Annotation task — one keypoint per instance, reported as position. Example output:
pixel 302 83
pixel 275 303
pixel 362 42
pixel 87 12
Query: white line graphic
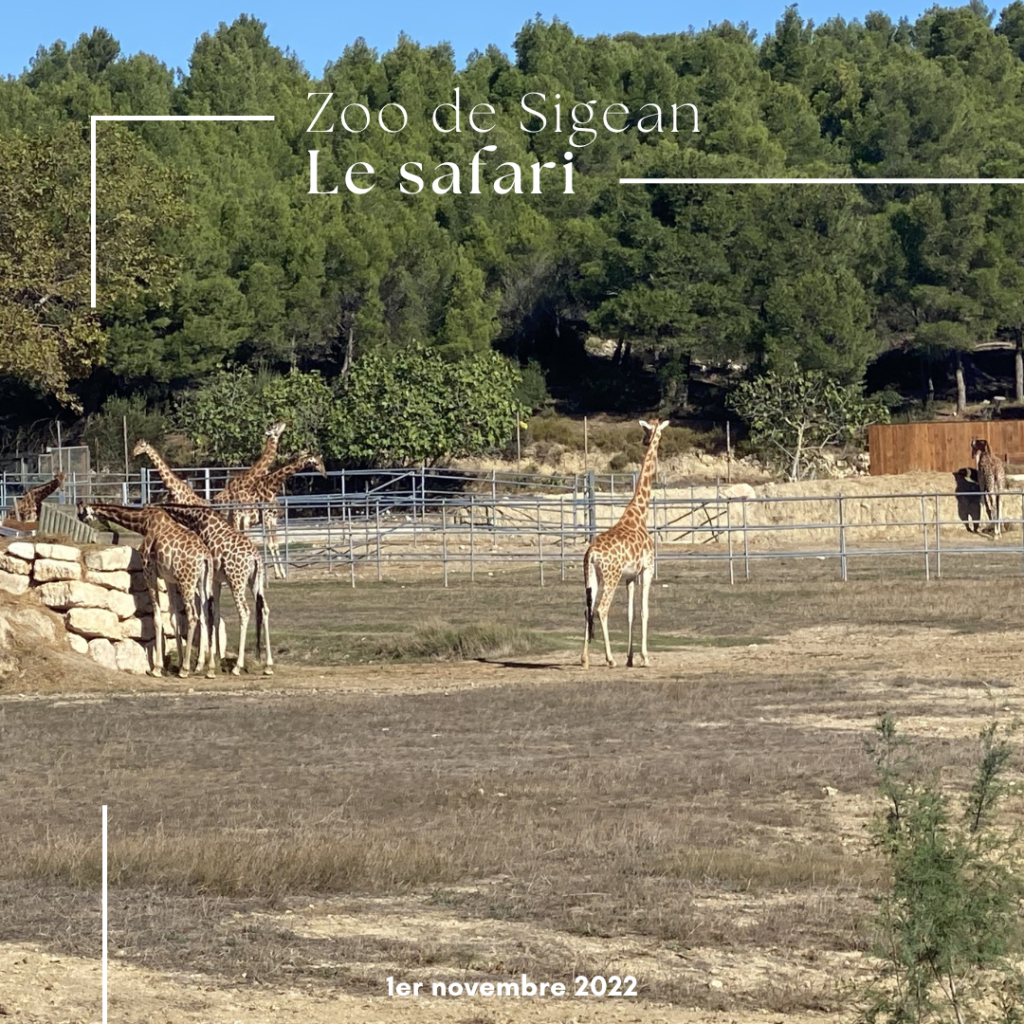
pixel 104 855
pixel 821 181
pixel 141 117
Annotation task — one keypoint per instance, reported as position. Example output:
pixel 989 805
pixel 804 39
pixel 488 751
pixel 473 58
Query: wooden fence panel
pixel 938 447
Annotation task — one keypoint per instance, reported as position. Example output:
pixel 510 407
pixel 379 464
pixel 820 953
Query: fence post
pixel 746 548
pixel 938 541
pixel 561 536
pixel 472 518
pixel 540 545
pixel 376 504
pixel 591 505
pixel 842 542
pixel 654 516
pixel 924 534
pixel 347 514
pixel 728 533
pixel 444 541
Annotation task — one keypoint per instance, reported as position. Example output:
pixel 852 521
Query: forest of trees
pixel 213 254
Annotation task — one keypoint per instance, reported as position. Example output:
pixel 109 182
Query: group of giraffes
pixel 195 546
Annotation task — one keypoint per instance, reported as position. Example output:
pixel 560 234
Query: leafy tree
pixel 52 335
pixel 227 415
pixel 409 406
pixel 794 417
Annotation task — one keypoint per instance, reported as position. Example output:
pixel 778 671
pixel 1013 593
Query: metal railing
pixel 372 521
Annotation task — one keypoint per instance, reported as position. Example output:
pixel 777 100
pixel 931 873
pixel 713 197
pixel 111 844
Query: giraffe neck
pixel 642 495
pixel 276 480
pixel 45 490
pixel 178 488
pixel 138 519
pixel 267 456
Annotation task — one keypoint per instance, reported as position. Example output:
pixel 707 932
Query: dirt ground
pixel 967 682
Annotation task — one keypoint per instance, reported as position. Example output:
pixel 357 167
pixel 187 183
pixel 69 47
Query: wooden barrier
pixel 939 447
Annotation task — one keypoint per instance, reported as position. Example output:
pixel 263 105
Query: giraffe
pixel 624 551
pixel 27 508
pixel 269 511
pixel 175 554
pixel 179 491
pixel 238 487
pixel 237 562
pixel 991 479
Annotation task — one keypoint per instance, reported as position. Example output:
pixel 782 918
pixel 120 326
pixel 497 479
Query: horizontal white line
pixel 182 117
pixel 821 181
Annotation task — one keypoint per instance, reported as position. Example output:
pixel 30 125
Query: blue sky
pixel 318 33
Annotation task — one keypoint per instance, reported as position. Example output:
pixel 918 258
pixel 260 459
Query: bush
pixel 950 926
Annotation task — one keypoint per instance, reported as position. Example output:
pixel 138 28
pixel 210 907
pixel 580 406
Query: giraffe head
pixel 275 430
pixel 652 430
pixel 86 513
pixel 142 447
pixel 979 447
pixel 313 461
pixel 60 477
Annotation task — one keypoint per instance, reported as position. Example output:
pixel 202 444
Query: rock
pixel 116 579
pixel 59 552
pixel 93 622
pixel 47 569
pixel 31 625
pixel 121 556
pixel 716 983
pixel 22 549
pixel 742 491
pixel 15 565
pixel 138 628
pixel 102 652
pixel 124 606
pixel 73 594
pixel 131 657
pixel 78 643
pixel 13 583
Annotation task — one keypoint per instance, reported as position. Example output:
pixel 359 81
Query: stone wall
pixel 100 592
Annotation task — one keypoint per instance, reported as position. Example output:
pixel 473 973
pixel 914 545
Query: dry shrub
pixel 441 641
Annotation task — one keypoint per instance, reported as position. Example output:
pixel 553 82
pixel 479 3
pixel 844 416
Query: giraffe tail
pixel 590 581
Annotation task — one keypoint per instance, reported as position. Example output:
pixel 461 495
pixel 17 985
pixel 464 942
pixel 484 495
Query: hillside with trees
pixel 214 256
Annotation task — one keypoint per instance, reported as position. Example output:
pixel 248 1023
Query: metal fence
pixel 368 524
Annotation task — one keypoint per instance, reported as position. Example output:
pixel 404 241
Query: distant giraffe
pixel 991 480
pixel 238 562
pixel 238 488
pixel 625 551
pixel 28 507
pixel 175 554
pixel 268 511
pixel 179 491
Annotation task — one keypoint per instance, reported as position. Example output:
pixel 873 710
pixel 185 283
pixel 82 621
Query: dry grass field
pixel 431 789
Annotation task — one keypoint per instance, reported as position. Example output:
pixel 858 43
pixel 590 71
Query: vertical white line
pixel 92 240
pixel 104 914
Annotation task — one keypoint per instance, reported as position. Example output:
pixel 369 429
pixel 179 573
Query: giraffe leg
pixel 996 504
pixel 243 627
pixel 630 594
pixel 213 625
pixel 150 573
pixel 645 603
pixel 263 630
pixel 610 583
pixel 591 581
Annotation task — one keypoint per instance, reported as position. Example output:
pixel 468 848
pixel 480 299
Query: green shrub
pixel 950 931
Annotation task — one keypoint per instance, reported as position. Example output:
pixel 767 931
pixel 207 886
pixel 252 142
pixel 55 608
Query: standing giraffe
pixel 180 492
pixel 237 562
pixel 238 488
pixel 28 507
pixel 991 480
pixel 265 492
pixel 175 554
pixel 624 551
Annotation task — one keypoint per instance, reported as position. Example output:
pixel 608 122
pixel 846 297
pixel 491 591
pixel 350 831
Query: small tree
pixel 793 417
pixel 950 926
pixel 400 408
pixel 227 415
